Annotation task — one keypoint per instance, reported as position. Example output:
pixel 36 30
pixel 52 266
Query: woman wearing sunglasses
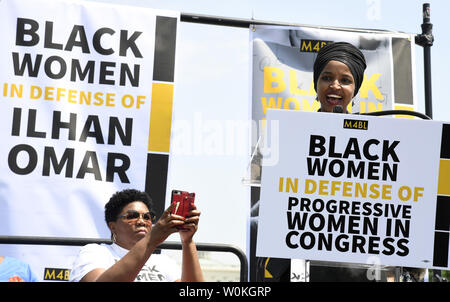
pixel 135 237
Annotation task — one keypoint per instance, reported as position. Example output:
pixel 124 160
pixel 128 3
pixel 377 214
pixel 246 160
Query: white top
pixel 158 268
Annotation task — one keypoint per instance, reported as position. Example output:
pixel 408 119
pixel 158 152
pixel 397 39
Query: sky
pixel 401 15
pixel 213 85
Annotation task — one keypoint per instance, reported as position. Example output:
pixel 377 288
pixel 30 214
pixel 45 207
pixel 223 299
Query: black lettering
pixel 32 159
pixel 367 209
pixel 406 212
pixel 303 240
pixel 21 32
pixel 331 152
pixel 17 116
pixel 125 73
pixel 296 221
pixel 116 127
pixel 388 150
pixel 355 171
pixel 48 43
pixel 130 42
pixel 325 241
pixel 316 142
pixel 89 157
pixel 318 205
pixel 289 241
pixel 339 164
pixel 98 45
pixel 358 242
pixel 344 206
pixel 88 71
pixel 58 125
pixel 372 171
pixel 319 166
pixel 305 204
pixel 389 248
pixel 48 67
pixel 366 148
pixel 378 209
pixel 392 172
pixel 292 202
pixel 31 129
pixel 401 228
pixel 353 224
pixel 319 218
pixel 404 250
pixel 50 159
pixel 374 243
pixel 336 225
pixel 27 63
pixel 370 225
pixel 92 120
pixel 352 149
pixel 120 170
pixel 342 244
pixel 104 72
pixel 77 30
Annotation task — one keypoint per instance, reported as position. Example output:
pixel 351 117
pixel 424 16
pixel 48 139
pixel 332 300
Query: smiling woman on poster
pixel 338 75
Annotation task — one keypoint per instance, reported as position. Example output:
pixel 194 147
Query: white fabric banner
pixel 76 96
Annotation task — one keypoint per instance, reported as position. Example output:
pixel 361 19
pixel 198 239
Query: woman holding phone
pixel 136 235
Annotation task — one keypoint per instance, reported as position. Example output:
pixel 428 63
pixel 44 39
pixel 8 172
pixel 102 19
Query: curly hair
pixel 120 199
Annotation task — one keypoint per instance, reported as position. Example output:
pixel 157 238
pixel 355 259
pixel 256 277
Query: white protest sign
pixel 348 188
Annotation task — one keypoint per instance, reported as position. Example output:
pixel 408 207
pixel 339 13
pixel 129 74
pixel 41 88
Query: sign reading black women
pixel 86 104
pixel 348 188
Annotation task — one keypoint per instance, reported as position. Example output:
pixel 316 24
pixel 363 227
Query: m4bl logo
pixel 56 274
pixel 356 124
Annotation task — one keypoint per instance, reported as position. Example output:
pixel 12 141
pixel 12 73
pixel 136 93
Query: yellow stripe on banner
pixel 444 177
pixel 403 107
pixel 160 117
pixel 267 274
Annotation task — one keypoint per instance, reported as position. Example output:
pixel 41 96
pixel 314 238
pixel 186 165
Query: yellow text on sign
pixel 275 82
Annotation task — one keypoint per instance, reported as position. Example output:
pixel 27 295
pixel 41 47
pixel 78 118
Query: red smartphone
pixel 183 202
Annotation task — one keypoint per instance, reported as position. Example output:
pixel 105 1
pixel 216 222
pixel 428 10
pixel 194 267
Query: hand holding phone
pixel 182 202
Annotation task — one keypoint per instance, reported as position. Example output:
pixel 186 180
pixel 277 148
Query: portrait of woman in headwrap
pixel 338 75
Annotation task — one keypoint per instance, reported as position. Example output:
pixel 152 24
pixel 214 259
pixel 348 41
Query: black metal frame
pixel 67 241
pixel 426 40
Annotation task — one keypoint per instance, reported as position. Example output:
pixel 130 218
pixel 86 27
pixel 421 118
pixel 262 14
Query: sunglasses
pixel 135 215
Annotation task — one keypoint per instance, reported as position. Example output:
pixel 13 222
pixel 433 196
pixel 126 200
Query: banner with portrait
pixel 282 59
pixel 282 72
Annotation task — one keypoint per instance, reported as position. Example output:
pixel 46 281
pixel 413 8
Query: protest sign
pixel 347 188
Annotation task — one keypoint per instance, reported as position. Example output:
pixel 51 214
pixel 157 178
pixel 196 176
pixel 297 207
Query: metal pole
pixel 426 40
pixel 246 23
